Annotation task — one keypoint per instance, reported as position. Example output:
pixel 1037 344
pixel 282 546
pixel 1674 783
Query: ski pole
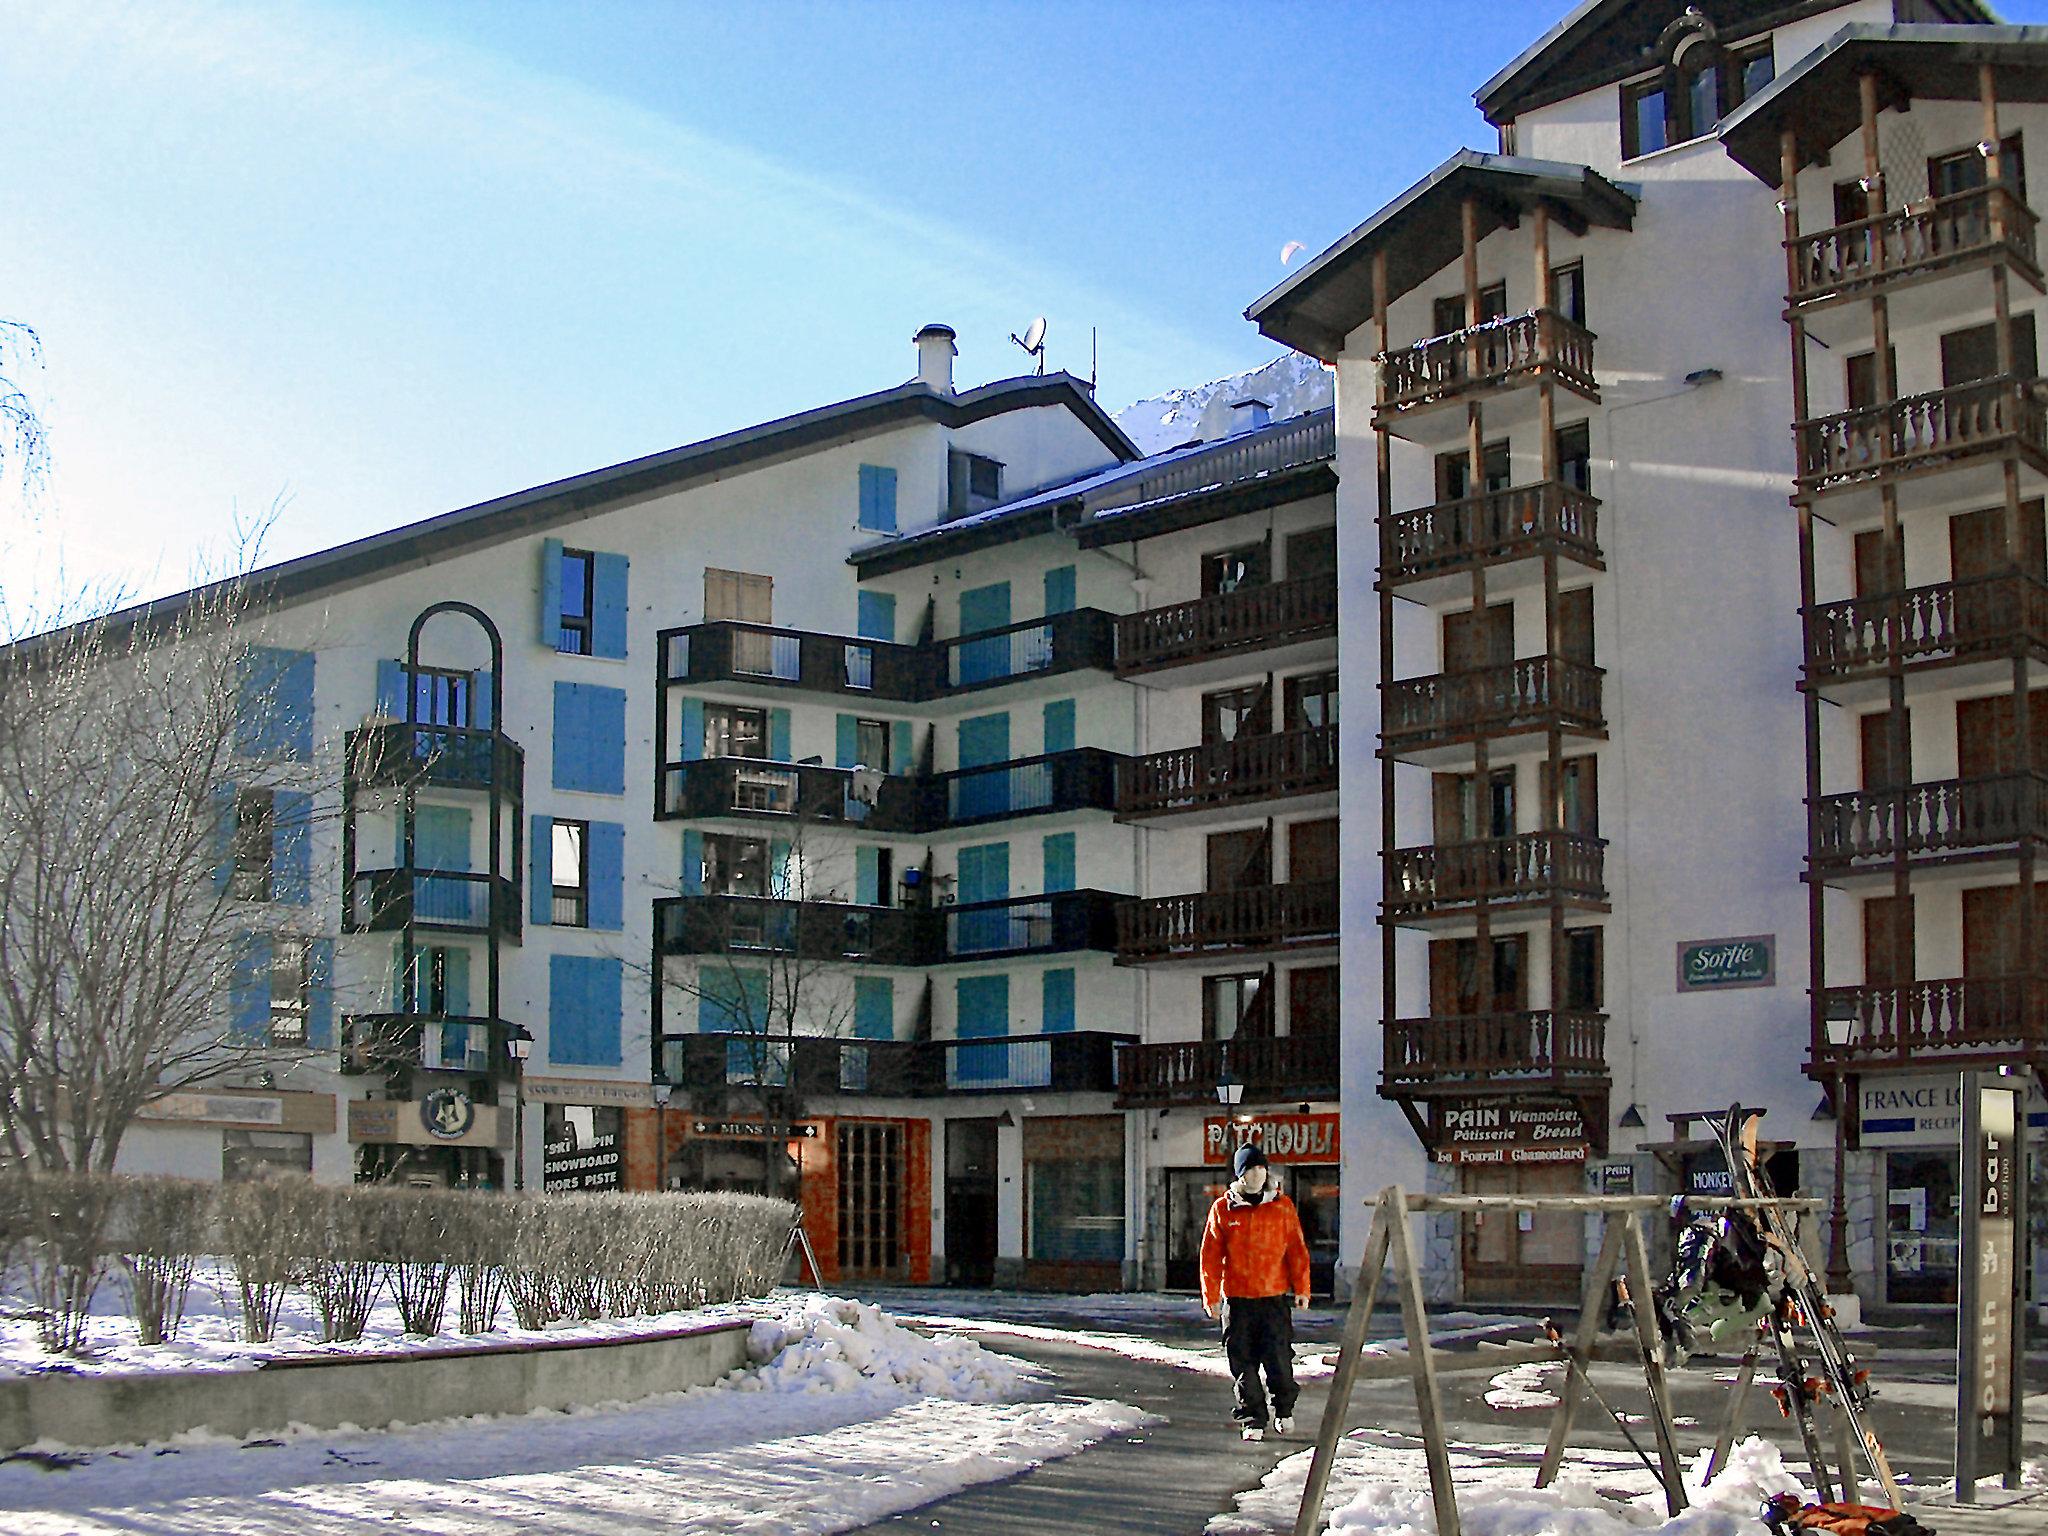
pixel 1572 1367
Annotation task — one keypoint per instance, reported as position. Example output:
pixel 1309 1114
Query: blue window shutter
pixel 584 1010
pixel 849 743
pixel 982 1005
pixel 590 738
pixel 878 498
pixel 222 806
pixel 984 740
pixel 691 747
pixel 440 838
pixel 867 876
pixel 874 1008
pixel 985 608
pixel 249 989
pixel 540 890
pixel 551 593
pixel 274 703
pixel 778 736
pixel 1059 726
pixel 391 688
pixel 900 740
pixel 693 862
pixel 291 847
pixel 1057 996
pixel 480 702
pixel 320 994
pixel 401 996
pixel 877 616
pixel 566 1010
pixel 607 875
pixel 1059 861
pixel 984 872
pixel 1059 589
pixel 455 980
pixel 731 999
pixel 608 623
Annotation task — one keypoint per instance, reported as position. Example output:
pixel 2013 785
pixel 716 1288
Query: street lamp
pixel 1229 1086
pixel 518 1045
pixel 1838 1027
pixel 663 1091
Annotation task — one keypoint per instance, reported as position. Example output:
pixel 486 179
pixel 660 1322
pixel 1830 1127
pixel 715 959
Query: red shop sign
pixel 1285 1138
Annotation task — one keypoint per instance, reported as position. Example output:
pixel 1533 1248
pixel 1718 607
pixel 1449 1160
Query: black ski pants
pixel 1258 1333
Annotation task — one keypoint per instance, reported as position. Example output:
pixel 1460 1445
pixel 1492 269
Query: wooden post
pixel 1422 1364
pixel 1641 1283
pixel 1388 1213
pixel 1731 1425
pixel 1592 1305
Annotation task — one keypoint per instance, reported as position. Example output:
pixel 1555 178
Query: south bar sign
pixel 1990 1323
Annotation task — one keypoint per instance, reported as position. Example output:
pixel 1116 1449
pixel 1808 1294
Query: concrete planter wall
pixel 372 1391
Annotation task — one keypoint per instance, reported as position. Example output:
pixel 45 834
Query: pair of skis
pixel 1801 1302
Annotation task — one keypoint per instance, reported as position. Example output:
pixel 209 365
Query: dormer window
pixel 1701 83
pixel 975 483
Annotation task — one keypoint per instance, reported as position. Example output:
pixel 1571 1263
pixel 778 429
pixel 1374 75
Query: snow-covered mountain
pixel 1295 384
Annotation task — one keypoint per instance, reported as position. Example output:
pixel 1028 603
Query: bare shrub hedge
pixel 555 1256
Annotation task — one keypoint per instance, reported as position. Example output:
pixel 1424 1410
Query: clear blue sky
pixel 387 259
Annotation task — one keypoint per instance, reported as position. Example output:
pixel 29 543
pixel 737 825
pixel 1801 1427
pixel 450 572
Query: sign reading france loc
pixel 1719 964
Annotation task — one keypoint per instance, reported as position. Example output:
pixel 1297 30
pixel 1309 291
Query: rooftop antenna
pixel 1033 341
pixel 1091 357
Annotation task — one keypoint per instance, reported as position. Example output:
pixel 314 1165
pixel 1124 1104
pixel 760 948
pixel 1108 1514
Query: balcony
pixel 1446 883
pixel 435 756
pixel 1058 923
pixel 716 787
pixel 1950 623
pixel 759 657
pixel 1226 776
pixel 1508 1052
pixel 1426 719
pixel 1453 538
pixel 1280 614
pixel 378 1042
pixel 1940 822
pixel 1935 1025
pixel 1925 240
pixel 1922 434
pixel 1483 360
pixel 381 900
pixel 1274 1070
pixel 1250 920
pixel 827 1067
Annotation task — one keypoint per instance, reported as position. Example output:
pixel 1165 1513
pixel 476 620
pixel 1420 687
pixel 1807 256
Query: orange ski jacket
pixel 1253 1250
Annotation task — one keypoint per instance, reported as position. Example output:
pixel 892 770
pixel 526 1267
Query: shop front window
pixel 1077 1210
pixel 1922 1240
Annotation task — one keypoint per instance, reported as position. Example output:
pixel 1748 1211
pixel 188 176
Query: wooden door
pixel 1888 943
pixel 1505 1260
pixel 1312 850
pixel 1575 625
pixel 1237 860
pixel 1971 353
pixel 1312 552
pixel 1880 769
pixel 1873 566
pixel 1986 740
pixel 1581 779
pixel 1312 1001
pixel 1235 712
pixel 1478 638
pixel 739 597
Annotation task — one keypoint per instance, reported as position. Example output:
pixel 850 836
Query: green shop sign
pixel 1710 964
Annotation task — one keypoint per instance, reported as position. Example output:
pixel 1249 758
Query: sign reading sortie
pixel 1284 1138
pixel 1717 964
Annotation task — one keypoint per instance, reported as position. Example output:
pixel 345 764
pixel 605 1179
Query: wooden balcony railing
pixel 1272 1069
pixel 1441 879
pixel 1484 530
pixel 1918 240
pixel 1458 1052
pixel 1934 1023
pixel 1921 432
pixel 1213 922
pixel 380 900
pixel 1485 357
pixel 1523 695
pixel 1944 817
pixel 375 1042
pixel 1240 772
pixel 817 1067
pixel 1251 618
pixel 1946 621
pixel 439 756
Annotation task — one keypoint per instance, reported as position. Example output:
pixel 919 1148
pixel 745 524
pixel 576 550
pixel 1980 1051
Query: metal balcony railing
pixel 380 900
pixel 439 756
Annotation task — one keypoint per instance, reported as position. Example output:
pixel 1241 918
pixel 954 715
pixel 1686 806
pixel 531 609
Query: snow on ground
pixel 1380 1487
pixel 846 1418
pixel 1525 1386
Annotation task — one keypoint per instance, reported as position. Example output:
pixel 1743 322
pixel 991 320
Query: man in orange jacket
pixel 1255 1266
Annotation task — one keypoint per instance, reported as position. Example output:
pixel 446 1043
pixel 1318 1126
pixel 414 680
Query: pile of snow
pixel 825 1344
pixel 1294 384
pixel 1380 1487
pixel 1525 1386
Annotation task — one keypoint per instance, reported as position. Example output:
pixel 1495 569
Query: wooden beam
pixel 1593 1302
pixel 1422 1365
pixel 1731 1422
pixel 1387 1215
pixel 1642 1303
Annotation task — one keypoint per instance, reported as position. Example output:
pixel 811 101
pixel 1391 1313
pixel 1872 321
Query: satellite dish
pixel 1033 340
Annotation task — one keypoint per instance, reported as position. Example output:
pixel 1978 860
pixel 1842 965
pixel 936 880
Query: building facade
pixel 922 808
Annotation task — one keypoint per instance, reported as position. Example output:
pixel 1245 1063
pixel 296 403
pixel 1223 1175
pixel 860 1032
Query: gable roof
pixel 1421 232
pixel 1601 41
pixel 1818 98
pixel 581 496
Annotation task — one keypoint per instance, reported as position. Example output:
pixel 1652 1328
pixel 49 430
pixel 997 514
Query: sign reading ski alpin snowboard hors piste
pixel 1497 1131
pixel 1988 1378
pixel 1718 964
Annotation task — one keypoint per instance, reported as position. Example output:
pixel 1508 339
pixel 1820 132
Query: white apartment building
pixel 922 806
pixel 1626 876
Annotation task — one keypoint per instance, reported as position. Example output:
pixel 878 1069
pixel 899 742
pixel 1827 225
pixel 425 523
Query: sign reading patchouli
pixel 1283 1138
pixel 1718 964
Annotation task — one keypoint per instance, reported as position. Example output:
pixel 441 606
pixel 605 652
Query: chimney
pixel 1250 414
pixel 935 354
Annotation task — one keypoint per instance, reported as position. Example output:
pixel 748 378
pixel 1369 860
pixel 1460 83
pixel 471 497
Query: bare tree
pixel 24 450
pixel 123 735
